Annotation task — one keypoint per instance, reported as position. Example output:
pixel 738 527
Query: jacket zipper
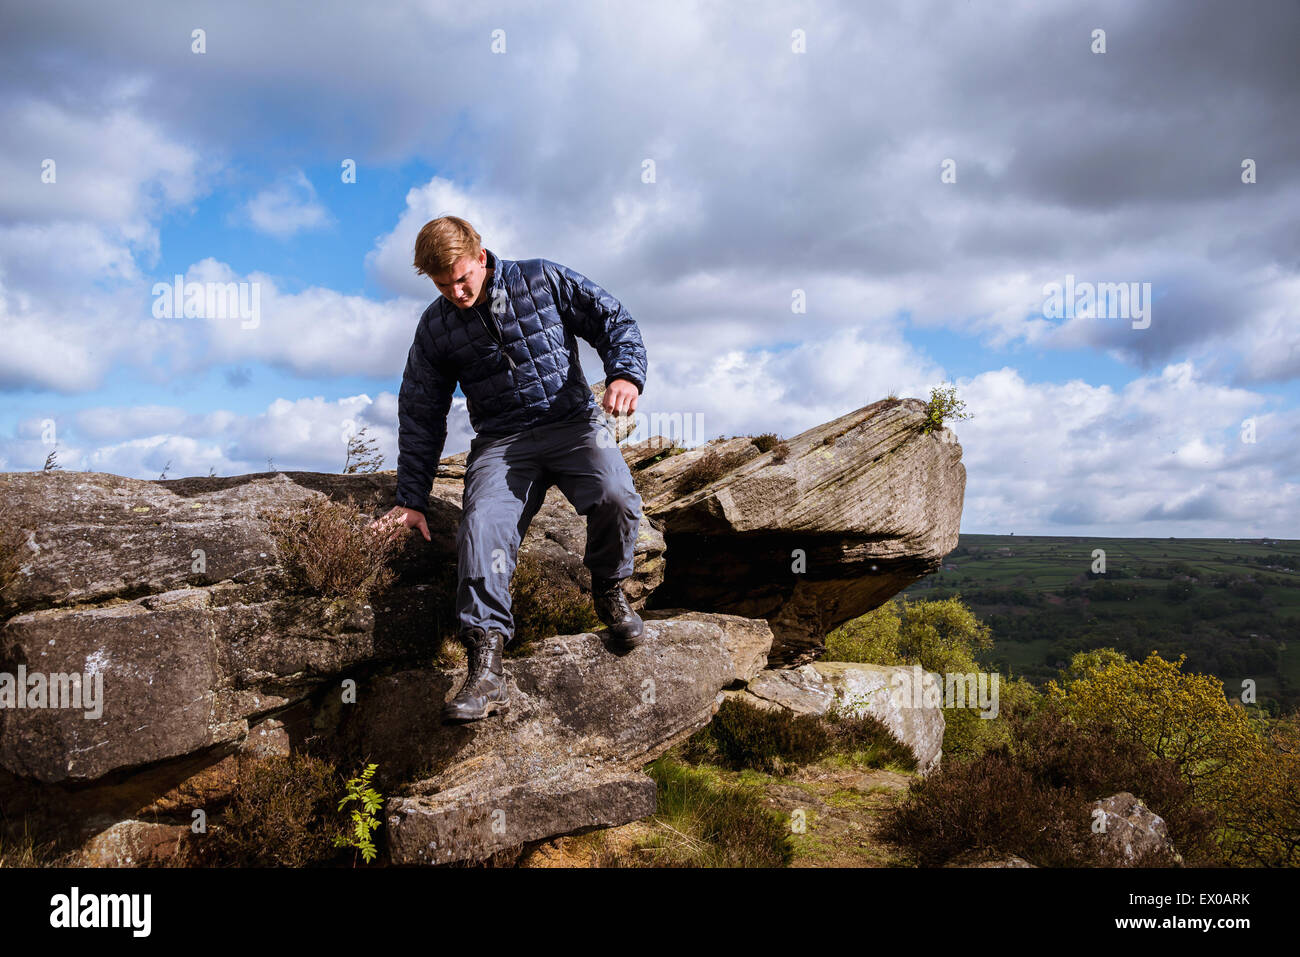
pixel 495 332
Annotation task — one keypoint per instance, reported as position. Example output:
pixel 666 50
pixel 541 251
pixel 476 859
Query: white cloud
pixel 1161 456
pixel 70 303
pixel 288 207
pixel 314 332
pixel 308 434
pixel 391 261
pixel 113 167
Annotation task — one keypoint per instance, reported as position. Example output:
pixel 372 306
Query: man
pixel 506 330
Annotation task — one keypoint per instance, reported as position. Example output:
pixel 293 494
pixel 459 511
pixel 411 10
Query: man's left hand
pixel 620 397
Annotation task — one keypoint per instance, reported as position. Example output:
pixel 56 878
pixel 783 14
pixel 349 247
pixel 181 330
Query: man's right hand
pixel 402 518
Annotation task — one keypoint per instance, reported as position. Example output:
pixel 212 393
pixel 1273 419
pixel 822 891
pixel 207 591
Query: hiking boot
pixel 625 625
pixel 484 691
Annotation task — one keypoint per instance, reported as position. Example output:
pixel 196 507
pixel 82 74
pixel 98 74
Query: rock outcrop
pixel 211 654
pixel 566 757
pixel 850 513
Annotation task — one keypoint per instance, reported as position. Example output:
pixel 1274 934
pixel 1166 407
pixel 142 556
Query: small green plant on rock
pixel 365 817
pixel 943 404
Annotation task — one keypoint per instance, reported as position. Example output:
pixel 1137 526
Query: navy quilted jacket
pixel 516 361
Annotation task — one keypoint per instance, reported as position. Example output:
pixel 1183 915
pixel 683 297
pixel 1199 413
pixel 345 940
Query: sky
pixel 805 206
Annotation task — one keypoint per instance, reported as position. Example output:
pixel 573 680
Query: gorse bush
pixel 1249 778
pixel 1184 718
pixel 330 550
pixel 1262 825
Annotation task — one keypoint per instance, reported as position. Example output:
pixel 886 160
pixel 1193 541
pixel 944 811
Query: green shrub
pixel 942 636
pixel 872 638
pixel 1262 827
pixel 364 817
pixel 775 741
pixel 766 442
pixel 1249 776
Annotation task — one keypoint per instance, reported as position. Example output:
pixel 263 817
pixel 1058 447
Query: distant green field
pixel 1231 605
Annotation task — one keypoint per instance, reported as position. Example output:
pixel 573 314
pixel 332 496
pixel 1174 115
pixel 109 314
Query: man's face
pixel 463 284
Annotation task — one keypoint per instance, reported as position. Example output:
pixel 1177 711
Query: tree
pixel 1182 717
pixel 1262 825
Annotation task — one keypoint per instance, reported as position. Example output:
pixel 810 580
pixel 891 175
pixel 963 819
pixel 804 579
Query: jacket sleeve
pixel 422 406
pixel 598 317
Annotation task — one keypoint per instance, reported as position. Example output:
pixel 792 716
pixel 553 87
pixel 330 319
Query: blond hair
pixel 442 242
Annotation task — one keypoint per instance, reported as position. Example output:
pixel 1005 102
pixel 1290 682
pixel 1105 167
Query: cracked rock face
pixel 583 720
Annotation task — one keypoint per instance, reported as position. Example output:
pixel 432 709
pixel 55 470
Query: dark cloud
pixel 1201 507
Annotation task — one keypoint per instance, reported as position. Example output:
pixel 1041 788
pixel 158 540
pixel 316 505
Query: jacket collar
pixel 497 280
pixel 495 264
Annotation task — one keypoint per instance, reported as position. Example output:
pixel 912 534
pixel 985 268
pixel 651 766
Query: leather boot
pixel 484 691
pixel 625 625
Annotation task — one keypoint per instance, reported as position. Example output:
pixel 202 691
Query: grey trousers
pixel 506 480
